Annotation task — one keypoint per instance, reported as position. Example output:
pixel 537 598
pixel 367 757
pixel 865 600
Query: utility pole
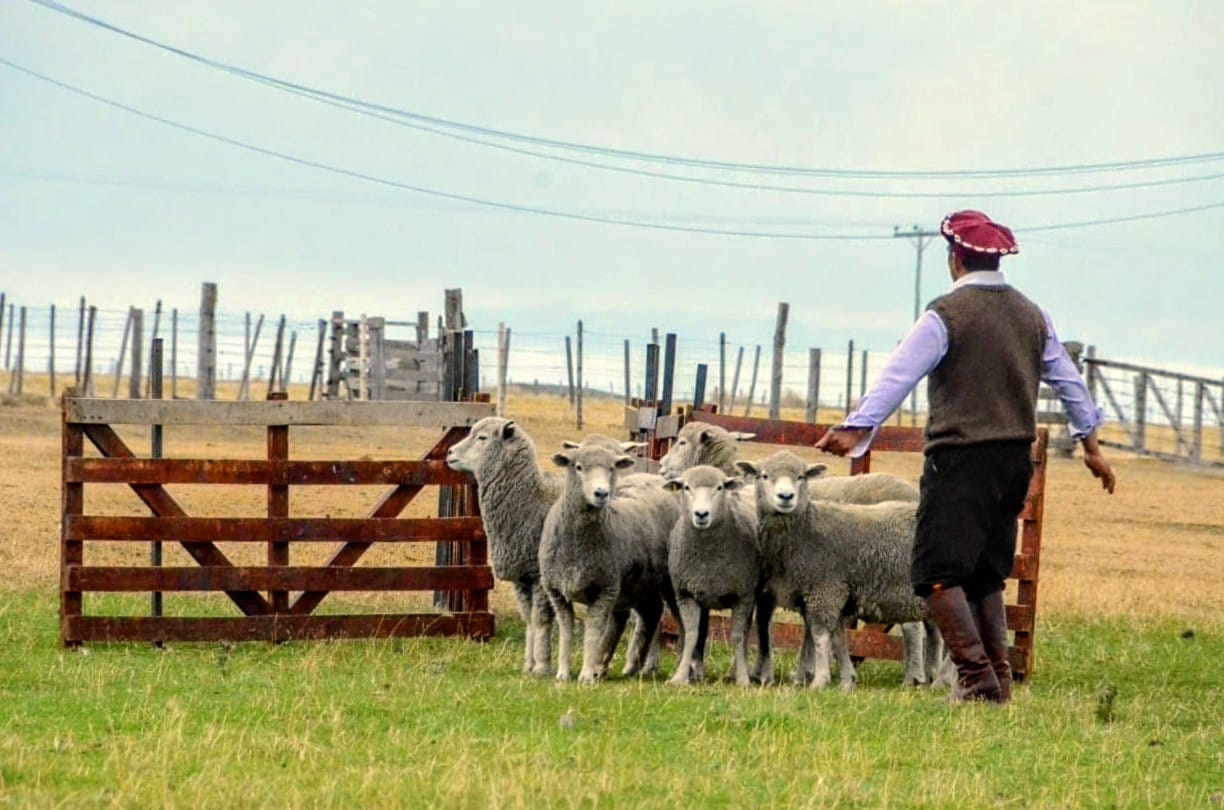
pixel 919 238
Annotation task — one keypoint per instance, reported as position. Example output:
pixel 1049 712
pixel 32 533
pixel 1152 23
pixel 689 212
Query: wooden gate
pixel 276 601
pixel 871 641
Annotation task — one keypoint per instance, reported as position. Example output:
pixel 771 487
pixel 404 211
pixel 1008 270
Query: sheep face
pixel 484 443
pixel 704 492
pixel 781 481
pixel 593 470
pixel 689 449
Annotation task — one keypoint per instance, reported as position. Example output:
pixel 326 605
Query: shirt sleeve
pixel 918 353
pixel 1058 372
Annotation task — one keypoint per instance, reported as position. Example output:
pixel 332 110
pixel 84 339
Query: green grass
pixel 1120 715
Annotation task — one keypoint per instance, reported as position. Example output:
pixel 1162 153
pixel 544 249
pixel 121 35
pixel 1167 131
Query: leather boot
pixel 975 675
pixel 991 618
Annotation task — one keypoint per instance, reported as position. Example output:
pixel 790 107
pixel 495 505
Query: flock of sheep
pixel 708 533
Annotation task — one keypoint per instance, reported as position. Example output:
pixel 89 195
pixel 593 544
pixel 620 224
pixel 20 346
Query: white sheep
pixel 514 500
pixel 823 558
pixel 713 564
pixel 609 553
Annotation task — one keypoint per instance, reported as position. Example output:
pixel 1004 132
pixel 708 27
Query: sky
pixel 99 201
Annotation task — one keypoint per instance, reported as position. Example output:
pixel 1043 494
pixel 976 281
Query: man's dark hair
pixel 980 261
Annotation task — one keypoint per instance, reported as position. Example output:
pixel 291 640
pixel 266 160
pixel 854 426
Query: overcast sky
pixel 100 202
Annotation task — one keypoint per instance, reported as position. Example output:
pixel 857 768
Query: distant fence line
pixel 1158 412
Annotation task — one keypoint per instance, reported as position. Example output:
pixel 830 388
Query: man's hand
pixel 1100 469
pixel 841 440
pixel 1095 461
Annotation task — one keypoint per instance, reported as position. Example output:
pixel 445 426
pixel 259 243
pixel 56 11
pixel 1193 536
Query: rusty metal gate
pixel 264 595
pixel 871 641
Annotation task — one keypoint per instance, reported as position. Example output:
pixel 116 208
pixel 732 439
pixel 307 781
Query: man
pixel 984 349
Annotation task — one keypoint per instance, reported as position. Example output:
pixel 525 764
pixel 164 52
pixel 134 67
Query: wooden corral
pixel 872 641
pixel 262 594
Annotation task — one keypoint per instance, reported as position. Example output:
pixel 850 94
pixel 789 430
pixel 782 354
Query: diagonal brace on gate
pixel 391 505
pixel 163 504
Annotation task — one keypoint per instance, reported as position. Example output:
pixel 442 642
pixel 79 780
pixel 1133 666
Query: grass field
pixel 1124 709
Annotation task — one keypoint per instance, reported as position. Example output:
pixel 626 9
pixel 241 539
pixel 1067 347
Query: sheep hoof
pixel 541 670
pixel 588 677
pixel 679 679
pixel 563 675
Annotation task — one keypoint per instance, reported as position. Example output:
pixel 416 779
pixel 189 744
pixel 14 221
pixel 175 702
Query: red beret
pixel 973 232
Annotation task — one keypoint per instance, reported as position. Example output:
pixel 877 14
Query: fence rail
pixel 264 594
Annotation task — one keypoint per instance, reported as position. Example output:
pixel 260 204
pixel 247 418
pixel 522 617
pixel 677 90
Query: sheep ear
pixel 742 437
pixel 815 470
pixel 629 447
pixel 747 468
pixel 624 462
pixel 704 438
pixel 571 445
pixel 561 459
pixel 733 484
pixel 508 429
pixel 674 485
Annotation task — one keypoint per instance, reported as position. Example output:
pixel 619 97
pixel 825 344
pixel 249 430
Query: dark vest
pixel 985 388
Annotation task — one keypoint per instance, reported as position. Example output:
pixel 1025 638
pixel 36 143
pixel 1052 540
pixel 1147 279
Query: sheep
pixel 609 553
pixel 821 557
pixel 702 443
pixel 514 500
pixel 713 563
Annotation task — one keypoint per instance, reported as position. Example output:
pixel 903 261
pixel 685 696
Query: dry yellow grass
pixel 1152 550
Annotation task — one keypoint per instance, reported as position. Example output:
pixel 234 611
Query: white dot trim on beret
pixel 946 230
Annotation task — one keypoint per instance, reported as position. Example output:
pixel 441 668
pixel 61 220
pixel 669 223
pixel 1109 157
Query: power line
pixel 352 102
pixel 429 191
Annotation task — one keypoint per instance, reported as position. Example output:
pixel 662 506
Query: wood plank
pixel 390 506
pixel 192 531
pixel 1024 567
pixel 331 412
pixel 280 627
pixel 160 503
pixel 278 578
pixel 236 471
pixel 803 434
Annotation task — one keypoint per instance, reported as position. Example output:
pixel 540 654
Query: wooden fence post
pixel 756 364
pixel 135 390
pixel 155 451
pixel 775 381
pixel 651 392
pixel 174 353
pixel 206 361
pixel 1140 410
pixel 277 358
pixel 335 364
pixel 849 375
pixel 157 311
pixel 51 354
pixel 579 400
pixel 503 366
pixel 628 391
pixel 244 387
pixel 669 373
pixel 2 322
pixel 80 345
pixel 569 369
pixel 87 381
pixel 813 397
pixel 722 372
pixel 316 371
pixel 127 330
pixel 739 361
pixel 1196 449
pixel 699 386
pixel 287 373
pixel 8 344
pixel 19 368
pixel 863 376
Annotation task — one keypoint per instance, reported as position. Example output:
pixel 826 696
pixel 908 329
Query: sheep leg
pixel 741 618
pixel 522 593
pixel 762 671
pixel 804 666
pixel 613 633
pixel 650 612
pixel 847 677
pixel 703 633
pixel 594 636
pixel 541 632
pixel 564 610
pixel 914 646
pixel 690 619
pixel 821 675
pixel 932 652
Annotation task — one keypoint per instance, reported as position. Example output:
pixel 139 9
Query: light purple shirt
pixel 925 346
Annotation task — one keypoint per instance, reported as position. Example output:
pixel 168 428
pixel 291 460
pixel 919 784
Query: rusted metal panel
pixel 193 530
pixel 163 505
pixel 278 578
pixel 254 412
pixel 280 473
pixel 279 627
